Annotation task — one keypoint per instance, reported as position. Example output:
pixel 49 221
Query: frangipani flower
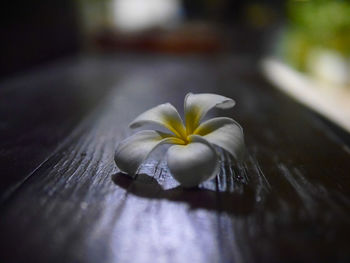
pixel 192 157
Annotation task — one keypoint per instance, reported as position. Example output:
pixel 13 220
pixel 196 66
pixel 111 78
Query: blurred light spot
pixel 329 67
pixel 136 15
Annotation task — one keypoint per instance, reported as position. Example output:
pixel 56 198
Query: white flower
pixel 192 158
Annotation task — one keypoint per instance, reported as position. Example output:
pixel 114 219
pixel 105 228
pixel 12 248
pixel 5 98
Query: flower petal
pixel 165 115
pixel 197 105
pixel 225 133
pixel 134 150
pixel 193 163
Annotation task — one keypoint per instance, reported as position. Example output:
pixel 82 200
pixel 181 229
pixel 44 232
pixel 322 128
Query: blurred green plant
pixel 316 24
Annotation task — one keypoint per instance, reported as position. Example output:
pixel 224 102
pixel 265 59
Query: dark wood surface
pixel 40 108
pixel 64 200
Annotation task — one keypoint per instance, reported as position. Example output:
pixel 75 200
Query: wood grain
pixel 40 108
pixel 287 202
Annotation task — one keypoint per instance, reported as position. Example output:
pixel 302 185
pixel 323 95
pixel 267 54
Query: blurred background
pixel 311 37
pixel 314 34
pixel 317 40
pixel 37 31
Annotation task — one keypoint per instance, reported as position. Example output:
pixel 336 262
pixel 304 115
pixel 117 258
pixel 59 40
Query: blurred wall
pixel 36 31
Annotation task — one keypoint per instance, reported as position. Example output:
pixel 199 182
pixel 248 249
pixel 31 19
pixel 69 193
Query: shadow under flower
pixel 147 187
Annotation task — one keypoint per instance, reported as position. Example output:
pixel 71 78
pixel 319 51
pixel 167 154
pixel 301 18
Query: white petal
pixel 225 133
pixel 165 115
pixel 134 150
pixel 193 163
pixel 197 105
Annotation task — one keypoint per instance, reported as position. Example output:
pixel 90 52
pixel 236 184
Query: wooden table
pixel 63 199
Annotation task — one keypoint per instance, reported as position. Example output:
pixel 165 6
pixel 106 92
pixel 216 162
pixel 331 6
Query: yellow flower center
pixel 184 138
pixel 183 132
